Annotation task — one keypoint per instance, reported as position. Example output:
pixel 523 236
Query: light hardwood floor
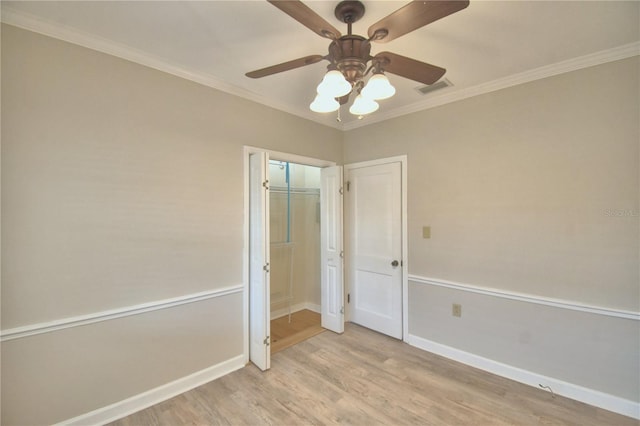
pixel 364 378
pixel 304 324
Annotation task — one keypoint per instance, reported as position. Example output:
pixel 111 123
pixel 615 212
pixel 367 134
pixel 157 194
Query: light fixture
pixel 334 85
pixel 350 59
pixel 378 87
pixel 324 103
pixel 348 77
pixel 351 63
pixel 363 106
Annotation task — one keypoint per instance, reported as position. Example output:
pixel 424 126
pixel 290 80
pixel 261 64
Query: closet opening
pixel 294 229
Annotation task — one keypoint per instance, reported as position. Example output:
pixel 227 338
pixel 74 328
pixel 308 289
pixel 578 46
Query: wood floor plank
pixel 303 325
pixel 364 378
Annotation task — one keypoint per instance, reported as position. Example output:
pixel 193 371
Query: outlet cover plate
pixel 426 232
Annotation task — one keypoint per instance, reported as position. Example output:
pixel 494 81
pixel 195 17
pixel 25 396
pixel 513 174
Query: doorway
pixel 294 229
pixel 258 252
pixel 375 218
pixel 336 306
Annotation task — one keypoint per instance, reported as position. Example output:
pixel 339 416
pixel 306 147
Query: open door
pixel 331 258
pixel 259 291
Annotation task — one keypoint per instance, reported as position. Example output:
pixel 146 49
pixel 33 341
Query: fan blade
pixel 414 15
pixel 410 68
pixel 307 17
pixel 285 66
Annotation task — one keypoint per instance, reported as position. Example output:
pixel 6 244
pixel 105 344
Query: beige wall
pixel 530 190
pixel 518 186
pixel 121 185
pixel 56 376
pixel 303 251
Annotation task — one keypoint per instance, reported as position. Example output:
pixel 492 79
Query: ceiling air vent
pixel 441 84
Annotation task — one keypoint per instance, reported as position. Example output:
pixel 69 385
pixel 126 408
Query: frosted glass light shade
pixel 324 103
pixel 363 106
pixel 378 88
pixel 334 85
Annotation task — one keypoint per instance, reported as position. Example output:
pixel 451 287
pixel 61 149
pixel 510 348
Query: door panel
pixel 332 283
pixel 373 295
pixel 259 288
pixel 374 205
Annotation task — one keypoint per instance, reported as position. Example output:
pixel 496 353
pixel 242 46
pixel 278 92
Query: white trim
pixel 60 324
pixel 279 313
pixel 397 159
pixel 291 158
pixel 574 64
pixel 246 152
pixel 569 390
pixel 403 160
pixel 529 298
pixel 154 396
pixel 405 249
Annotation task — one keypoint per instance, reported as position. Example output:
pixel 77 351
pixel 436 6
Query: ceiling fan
pixel 349 54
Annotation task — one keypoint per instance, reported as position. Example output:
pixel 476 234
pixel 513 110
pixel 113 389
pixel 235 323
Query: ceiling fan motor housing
pixel 349 11
pixel 350 55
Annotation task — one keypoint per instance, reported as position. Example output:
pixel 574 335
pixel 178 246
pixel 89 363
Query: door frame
pixel 273 155
pixel 403 160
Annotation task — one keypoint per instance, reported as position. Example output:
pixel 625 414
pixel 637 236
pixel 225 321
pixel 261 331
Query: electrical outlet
pixel 456 310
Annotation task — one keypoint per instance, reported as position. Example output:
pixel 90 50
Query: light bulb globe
pixel 334 85
pixel 378 88
pixel 324 104
pixel 363 106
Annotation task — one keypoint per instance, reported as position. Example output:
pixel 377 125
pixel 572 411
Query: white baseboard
pixel 154 396
pixel 569 390
pixel 279 313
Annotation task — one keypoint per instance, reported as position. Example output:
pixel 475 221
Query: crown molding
pixel 71 35
pixel 452 95
pixel 61 32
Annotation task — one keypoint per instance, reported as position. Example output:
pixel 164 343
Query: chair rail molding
pixel 76 321
pixel 529 298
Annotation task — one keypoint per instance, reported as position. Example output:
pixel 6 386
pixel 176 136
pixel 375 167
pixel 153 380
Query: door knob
pixel 394 263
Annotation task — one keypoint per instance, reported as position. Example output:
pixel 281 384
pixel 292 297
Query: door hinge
pixel 266 267
pixel 267 340
pixel 348 297
pixel 265 184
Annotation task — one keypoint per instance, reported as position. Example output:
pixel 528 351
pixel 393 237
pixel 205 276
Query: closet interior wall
pixel 295 237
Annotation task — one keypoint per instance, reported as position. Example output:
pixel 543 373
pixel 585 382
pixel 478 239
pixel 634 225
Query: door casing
pixel 273 155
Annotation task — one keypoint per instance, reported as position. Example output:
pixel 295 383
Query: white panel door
pixel 374 208
pixel 259 291
pixel 332 287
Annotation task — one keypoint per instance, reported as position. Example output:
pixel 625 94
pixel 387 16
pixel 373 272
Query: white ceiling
pixel 489 45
